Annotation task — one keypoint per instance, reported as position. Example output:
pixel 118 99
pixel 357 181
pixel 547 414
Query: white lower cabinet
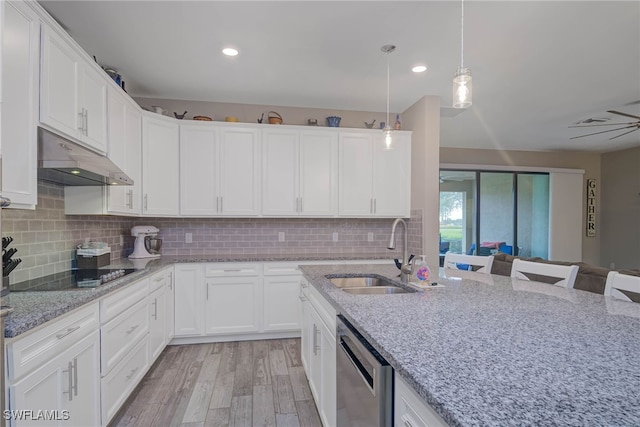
pixel 319 351
pixel 170 304
pixel 410 410
pixel 68 387
pixel 56 368
pixel 189 300
pixel 157 315
pixel 233 305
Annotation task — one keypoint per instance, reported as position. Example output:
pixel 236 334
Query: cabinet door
pixel 392 177
pixel 280 171
pixel 355 177
pixel 328 393
pixel 189 295
pixel 281 303
pixel 70 382
pixel 305 327
pixel 116 149
pixel 314 374
pixel 93 103
pixel 170 306
pixel 160 153
pixel 157 320
pixel 20 87
pixel 198 170
pixel 239 172
pixel 318 173
pixel 233 305
pixel 133 156
pixel 84 408
pixel 59 80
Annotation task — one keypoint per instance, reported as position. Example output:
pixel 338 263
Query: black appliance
pixel 71 280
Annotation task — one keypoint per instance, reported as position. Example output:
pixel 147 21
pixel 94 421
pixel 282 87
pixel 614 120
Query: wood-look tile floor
pixel 247 383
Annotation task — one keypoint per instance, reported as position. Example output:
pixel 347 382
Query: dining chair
pixel 466 262
pixel 542 272
pixel 617 282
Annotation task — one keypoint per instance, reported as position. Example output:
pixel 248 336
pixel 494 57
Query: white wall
pixel 423 118
pixel 565 214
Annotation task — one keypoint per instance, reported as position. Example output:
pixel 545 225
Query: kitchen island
pixel 493 351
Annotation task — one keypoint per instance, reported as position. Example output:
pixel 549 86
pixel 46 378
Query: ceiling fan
pixel 633 125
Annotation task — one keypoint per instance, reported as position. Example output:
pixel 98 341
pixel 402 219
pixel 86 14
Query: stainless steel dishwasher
pixel 364 381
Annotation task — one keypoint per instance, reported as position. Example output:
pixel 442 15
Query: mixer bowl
pixel 152 244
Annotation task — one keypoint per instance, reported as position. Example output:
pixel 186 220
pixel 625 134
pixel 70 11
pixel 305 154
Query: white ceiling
pixel 537 66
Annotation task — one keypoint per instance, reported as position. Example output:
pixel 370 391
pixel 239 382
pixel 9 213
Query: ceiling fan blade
pixel 623 134
pixel 623 114
pixel 604 131
pixel 603 124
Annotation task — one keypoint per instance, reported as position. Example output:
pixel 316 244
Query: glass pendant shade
pixel 462 89
pixel 387 132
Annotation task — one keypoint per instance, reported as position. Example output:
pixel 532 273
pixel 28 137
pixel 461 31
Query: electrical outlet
pixel 334 237
pixel 121 240
pixel 281 236
pixel 188 237
pixel 369 237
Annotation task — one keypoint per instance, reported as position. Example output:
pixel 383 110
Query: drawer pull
pixel 155 309
pixel 131 329
pixel 158 279
pixel 69 332
pixel 407 421
pixel 132 373
pixel 302 298
pixel 232 270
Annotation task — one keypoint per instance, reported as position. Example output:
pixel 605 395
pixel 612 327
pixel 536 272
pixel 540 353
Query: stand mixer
pixel 147 245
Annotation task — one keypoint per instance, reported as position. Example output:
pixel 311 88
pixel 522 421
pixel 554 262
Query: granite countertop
pixel 32 309
pixel 489 350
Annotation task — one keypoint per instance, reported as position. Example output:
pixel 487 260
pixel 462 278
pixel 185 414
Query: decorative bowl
pixel 333 121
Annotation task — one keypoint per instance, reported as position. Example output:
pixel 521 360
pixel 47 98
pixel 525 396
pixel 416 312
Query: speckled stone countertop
pixel 32 309
pixel 494 351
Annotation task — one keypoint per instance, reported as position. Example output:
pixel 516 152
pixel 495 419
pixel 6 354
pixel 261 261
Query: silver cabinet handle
pixel 130 203
pixel 406 420
pixel 71 368
pixel 232 270
pixel 158 279
pixel 221 204
pixel 75 376
pixel 375 205
pixel 370 205
pixel 86 122
pixel 146 199
pixel 69 331
pixel 81 120
pixel 131 329
pixel 207 291
pixel 301 205
pixel 315 339
pixel 155 309
pixel 132 373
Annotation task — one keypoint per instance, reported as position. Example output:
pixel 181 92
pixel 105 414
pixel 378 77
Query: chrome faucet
pixel 406 267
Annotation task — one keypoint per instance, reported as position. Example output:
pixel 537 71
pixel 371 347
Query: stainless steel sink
pixel 377 290
pixel 368 286
pixel 360 282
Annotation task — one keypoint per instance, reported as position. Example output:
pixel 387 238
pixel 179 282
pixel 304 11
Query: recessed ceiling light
pixel 419 69
pixel 229 51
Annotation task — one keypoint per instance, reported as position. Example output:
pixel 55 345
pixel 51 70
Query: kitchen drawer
pixel 158 280
pixel 232 269
pixel 51 339
pixel 410 410
pixel 121 381
pixel 281 269
pixel 119 301
pixel 120 334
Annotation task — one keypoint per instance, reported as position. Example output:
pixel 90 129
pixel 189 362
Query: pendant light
pixel 388 131
pixel 462 93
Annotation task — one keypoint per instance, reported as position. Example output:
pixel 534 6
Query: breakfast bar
pixel 492 350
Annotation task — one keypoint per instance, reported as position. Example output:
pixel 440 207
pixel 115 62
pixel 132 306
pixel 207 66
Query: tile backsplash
pixel 46 238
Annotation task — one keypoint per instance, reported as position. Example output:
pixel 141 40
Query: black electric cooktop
pixel 71 280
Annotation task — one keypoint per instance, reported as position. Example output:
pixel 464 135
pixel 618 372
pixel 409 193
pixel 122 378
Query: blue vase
pixel 333 121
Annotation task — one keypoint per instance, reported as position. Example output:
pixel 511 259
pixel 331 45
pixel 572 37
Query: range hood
pixel 65 162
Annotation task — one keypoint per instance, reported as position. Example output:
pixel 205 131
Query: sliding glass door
pixel 483 212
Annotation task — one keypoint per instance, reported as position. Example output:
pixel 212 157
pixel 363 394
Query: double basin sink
pixel 368 285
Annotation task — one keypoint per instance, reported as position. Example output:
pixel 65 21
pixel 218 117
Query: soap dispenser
pixel 422 271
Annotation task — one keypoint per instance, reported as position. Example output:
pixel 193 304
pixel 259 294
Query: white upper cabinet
pixel 125 150
pixel 219 170
pixel 73 93
pixel 160 165
pixel 239 171
pixel 20 86
pixel 374 181
pixel 299 173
